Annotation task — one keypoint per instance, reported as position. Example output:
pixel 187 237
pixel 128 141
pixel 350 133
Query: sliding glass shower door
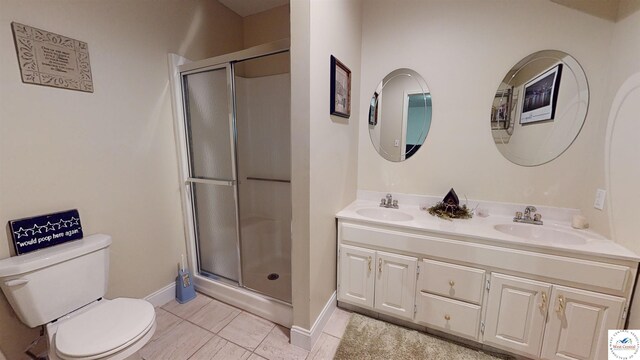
pixel 237 126
pixel 212 174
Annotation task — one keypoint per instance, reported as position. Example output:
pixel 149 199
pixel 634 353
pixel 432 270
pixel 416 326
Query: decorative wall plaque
pixel 39 232
pixel 50 59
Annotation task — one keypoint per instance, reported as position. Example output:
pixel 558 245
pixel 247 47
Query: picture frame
pixel 540 96
pixel 340 89
pixel 501 110
pixel 373 109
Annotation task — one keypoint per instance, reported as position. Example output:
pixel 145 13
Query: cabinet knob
pixel 380 265
pixel 447 317
pixel 451 282
pixel 369 263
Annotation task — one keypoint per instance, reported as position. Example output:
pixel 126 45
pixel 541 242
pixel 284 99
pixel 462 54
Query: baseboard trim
pixel 162 296
pixel 306 339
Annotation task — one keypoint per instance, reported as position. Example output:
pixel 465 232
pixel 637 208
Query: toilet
pixel 62 288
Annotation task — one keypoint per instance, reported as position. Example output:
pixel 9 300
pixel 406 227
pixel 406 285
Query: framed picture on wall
pixel 340 89
pixel 501 110
pixel 540 96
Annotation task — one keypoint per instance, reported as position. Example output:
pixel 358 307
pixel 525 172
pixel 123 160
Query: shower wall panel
pixel 264 167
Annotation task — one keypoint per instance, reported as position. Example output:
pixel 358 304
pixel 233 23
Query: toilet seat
pixel 104 329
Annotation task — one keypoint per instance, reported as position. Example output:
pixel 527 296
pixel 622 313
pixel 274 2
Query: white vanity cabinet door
pixel 516 311
pixel 395 284
pixel 578 323
pixel 356 275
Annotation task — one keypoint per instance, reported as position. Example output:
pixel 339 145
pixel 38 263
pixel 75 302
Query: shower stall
pixel 234 136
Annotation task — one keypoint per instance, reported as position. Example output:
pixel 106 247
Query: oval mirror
pixel 539 108
pixel 400 115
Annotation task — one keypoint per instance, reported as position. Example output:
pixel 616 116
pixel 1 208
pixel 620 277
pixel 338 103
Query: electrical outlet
pixel 396 143
pixel 599 202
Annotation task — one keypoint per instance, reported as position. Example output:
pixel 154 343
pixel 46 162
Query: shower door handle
pixel 223 182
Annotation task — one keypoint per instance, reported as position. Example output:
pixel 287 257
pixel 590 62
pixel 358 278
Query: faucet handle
pixel 395 204
pixel 537 217
pixel 518 215
pixel 383 202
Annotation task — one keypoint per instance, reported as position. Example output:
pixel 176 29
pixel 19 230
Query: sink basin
pixel 540 233
pixel 384 214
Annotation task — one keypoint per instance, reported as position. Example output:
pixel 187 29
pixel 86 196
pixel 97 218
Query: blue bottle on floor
pixel 184 286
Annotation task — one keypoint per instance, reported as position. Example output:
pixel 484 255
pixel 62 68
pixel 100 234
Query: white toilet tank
pixel 46 284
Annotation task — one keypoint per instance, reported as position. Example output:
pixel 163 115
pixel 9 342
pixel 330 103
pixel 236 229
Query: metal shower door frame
pixel 233 182
pixel 223 61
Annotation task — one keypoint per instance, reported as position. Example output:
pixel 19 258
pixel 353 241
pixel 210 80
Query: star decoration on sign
pixel 21 232
pixel 36 229
pixel 49 226
pixel 74 221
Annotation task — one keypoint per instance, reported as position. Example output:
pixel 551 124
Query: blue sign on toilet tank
pixel 39 232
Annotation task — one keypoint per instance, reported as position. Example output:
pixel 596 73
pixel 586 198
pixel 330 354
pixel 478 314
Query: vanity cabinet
pixel 378 280
pixel 356 283
pixel 577 323
pixel 538 319
pixel 528 301
pixel 395 284
pixel 516 313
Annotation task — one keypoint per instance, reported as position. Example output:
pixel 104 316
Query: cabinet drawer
pixel 453 281
pixel 448 315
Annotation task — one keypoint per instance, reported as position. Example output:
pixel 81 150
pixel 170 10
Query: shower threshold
pixel 246 299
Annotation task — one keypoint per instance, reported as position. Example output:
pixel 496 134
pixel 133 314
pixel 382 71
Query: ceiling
pixel 249 7
pixel 613 10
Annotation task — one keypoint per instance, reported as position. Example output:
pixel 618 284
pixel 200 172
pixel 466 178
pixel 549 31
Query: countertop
pixel 482 229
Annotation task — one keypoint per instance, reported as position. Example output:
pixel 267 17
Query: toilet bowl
pixel 106 329
pixel 62 288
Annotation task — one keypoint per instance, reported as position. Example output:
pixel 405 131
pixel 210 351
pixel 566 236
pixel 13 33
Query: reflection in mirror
pixel 399 115
pixel 539 108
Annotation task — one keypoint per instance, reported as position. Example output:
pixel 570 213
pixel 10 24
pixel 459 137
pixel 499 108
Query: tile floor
pixel 205 328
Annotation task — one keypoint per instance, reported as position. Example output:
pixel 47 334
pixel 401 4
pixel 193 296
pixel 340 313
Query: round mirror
pixel 539 108
pixel 400 115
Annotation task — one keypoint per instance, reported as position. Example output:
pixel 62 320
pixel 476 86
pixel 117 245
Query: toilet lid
pixel 105 328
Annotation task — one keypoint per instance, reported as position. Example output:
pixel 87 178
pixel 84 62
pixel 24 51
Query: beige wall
pixel 262 28
pixel 462 50
pixel 328 163
pixel 624 143
pixel 300 157
pixel 335 30
pixel 111 154
pixel 266 26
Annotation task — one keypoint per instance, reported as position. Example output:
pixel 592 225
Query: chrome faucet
pixel 388 202
pixel 526 218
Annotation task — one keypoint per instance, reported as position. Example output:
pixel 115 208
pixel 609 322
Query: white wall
pixel 111 154
pixel 463 49
pixel 333 140
pixel 623 141
pixel 333 28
